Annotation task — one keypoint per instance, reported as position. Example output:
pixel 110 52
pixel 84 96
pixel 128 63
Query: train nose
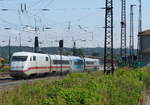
pixel 17 66
pixel 17 69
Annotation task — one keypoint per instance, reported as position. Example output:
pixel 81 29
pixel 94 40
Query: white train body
pixel 25 64
pixel 91 64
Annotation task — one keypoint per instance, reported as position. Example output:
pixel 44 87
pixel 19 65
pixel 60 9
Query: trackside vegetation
pixel 4 69
pixel 125 87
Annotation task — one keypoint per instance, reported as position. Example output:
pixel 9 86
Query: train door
pixel 34 64
pixel 50 63
pixel 71 64
pixel 42 63
pixel 45 63
pixel 82 64
pixel 76 65
pixel 53 63
pixel 38 64
pixel 56 64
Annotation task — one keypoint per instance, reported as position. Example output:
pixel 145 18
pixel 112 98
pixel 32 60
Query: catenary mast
pixel 123 31
pixel 131 44
pixel 108 47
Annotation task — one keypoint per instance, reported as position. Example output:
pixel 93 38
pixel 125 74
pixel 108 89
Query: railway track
pixel 4 77
pixel 4 74
pixel 9 82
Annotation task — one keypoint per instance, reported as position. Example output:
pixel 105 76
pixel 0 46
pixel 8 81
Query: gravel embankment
pixel 146 99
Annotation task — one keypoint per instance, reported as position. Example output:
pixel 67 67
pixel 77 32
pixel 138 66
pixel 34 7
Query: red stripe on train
pixel 36 68
pixel 91 66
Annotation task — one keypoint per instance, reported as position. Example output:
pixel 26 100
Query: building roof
pixel 146 32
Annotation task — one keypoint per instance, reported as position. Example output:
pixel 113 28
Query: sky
pixel 78 20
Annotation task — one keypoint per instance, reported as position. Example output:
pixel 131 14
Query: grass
pixel 122 88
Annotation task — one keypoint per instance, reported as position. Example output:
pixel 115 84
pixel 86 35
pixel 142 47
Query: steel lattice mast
pixel 108 47
pixel 123 30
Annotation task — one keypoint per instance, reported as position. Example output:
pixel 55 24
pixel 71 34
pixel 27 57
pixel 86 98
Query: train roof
pixel 58 57
pixel 90 59
pixel 26 53
pixel 74 57
pixel 32 53
pixel 21 53
pixel 52 56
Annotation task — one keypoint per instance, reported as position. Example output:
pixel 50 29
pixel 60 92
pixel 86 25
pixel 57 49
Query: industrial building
pixel 144 45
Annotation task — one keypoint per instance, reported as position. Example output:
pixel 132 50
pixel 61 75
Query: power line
pixel 48 4
pixel 37 3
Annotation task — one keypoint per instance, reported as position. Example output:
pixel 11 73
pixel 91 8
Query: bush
pixel 122 88
pixel 4 69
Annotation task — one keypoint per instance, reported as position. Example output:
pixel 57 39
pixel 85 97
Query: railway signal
pixel 36 44
pixel 61 45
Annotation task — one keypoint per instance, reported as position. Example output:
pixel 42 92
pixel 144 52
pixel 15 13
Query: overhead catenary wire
pixel 37 3
pixel 40 4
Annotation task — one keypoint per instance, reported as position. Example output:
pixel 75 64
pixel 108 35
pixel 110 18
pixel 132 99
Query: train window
pixel 34 58
pixel 55 61
pixel 64 62
pixel 19 58
pixel 89 62
pixel 46 58
pixel 79 62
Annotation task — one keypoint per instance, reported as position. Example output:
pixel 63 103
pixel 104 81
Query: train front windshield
pixel 79 62
pixel 19 58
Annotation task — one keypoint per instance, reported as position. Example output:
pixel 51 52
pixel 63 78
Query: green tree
pixel 95 54
pixel 80 52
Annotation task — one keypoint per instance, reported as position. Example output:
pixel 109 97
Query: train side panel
pixel 37 64
pixel 77 64
pixel 25 64
pixel 60 66
pixel 43 64
pixel 91 64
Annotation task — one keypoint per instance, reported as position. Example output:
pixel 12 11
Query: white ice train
pixel 25 64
